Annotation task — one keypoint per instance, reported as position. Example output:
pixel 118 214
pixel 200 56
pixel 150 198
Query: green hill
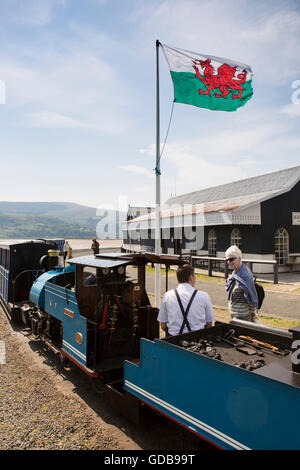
pixel 57 219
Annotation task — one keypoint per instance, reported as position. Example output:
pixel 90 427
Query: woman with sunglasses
pixel 242 296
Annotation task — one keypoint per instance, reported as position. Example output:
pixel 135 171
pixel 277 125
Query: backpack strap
pixel 238 278
pixel 185 313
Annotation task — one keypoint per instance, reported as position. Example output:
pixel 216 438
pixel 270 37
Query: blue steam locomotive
pixel 236 385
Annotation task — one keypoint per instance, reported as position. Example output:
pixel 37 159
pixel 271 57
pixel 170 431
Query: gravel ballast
pixel 47 406
pixel 39 408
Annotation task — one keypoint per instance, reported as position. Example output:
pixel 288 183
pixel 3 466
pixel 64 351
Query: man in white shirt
pixel 185 309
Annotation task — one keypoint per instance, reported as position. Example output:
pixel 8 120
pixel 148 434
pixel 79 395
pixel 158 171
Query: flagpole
pixel 157 185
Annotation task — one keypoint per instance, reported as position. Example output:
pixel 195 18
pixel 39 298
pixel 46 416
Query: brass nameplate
pixel 68 312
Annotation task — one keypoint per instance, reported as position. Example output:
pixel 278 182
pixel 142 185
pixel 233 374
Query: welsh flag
pixel 207 81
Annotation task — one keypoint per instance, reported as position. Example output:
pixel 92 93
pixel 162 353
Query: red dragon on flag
pixel 224 79
pixel 208 82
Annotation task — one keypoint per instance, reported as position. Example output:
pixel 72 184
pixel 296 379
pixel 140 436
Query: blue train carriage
pixel 95 311
pixel 217 393
pixel 19 265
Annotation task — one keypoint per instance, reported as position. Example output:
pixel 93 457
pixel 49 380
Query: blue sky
pixel 78 123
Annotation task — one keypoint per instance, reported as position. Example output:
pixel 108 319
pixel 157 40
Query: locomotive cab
pixel 95 310
pixel 111 295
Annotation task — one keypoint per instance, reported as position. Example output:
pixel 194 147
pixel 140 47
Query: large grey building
pixel 260 214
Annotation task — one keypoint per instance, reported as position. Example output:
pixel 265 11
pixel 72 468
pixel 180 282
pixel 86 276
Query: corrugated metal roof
pixel 214 206
pixel 235 202
pixel 228 197
pixel 276 181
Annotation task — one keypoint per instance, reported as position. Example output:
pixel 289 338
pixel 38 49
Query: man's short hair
pixel 184 272
pixel 233 251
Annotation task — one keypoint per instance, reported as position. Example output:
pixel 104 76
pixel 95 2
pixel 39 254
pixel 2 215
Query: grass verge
pixel 221 314
pixel 224 316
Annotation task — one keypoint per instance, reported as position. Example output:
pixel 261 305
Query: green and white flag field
pixel 208 82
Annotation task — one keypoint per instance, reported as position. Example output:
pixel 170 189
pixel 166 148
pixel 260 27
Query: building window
pixel 282 246
pixel 236 238
pixel 212 243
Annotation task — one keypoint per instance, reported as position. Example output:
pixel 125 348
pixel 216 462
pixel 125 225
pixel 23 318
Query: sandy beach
pixel 78 243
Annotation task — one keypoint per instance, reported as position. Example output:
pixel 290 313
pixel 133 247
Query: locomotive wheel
pixel 65 362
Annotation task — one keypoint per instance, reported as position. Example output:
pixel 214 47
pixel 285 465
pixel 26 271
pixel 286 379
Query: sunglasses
pixel 230 259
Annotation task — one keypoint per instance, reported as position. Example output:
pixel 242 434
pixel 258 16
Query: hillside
pixel 57 219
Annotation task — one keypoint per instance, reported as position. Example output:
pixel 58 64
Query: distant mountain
pixel 57 219
pixel 55 209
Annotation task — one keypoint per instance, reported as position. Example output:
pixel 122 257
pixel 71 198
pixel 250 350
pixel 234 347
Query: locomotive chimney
pixel 52 259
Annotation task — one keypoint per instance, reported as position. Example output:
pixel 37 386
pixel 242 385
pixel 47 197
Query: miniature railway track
pixel 155 432
pixel 4 308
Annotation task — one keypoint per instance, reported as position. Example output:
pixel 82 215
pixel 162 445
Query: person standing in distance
pixel 95 246
pixel 69 251
pixel 242 295
pixel 185 309
pixel 65 250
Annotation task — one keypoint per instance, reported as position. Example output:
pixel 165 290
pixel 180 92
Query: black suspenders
pixel 185 313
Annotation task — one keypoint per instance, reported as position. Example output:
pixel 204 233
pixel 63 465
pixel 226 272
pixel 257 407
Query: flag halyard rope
pixel 158 172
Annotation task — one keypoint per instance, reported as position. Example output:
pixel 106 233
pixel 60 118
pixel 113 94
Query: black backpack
pixel 260 292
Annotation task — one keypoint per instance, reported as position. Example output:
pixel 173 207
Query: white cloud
pixel 230 142
pixel 292 110
pixel 139 170
pixel 75 89
pixel 94 68
pixel 263 35
pixel 274 46
pixel 71 80
pixel 53 120
pixel 225 156
pixel 30 12
pixel 195 172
